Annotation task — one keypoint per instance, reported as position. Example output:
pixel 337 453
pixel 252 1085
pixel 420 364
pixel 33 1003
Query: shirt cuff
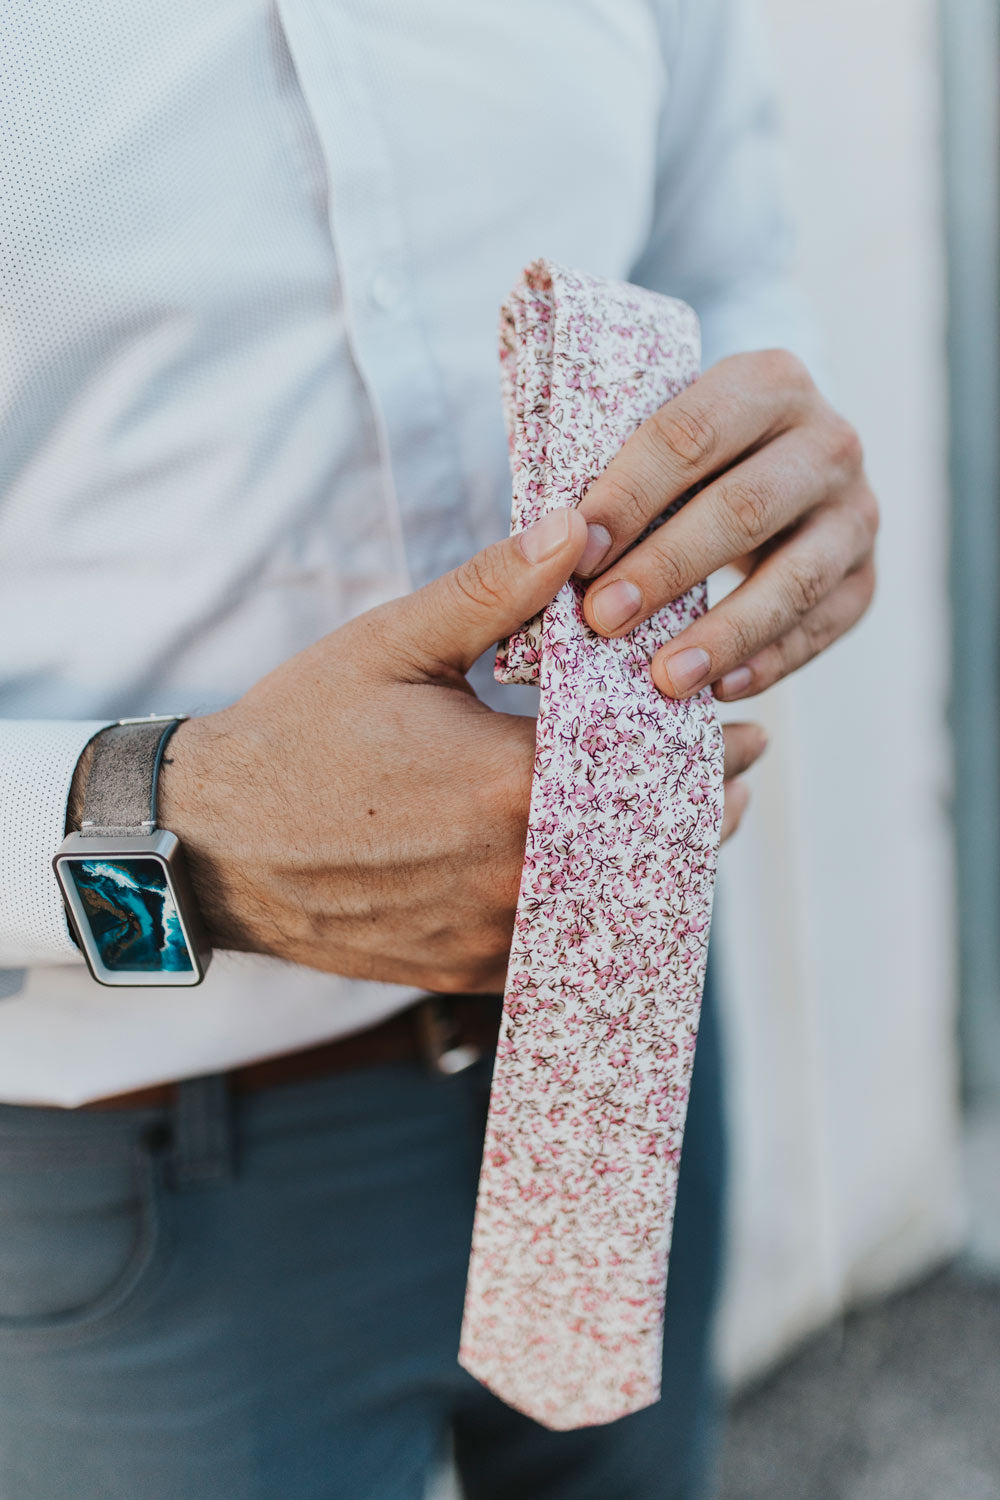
pixel 37 761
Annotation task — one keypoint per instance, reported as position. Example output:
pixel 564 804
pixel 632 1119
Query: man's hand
pixel 359 810
pixel 788 504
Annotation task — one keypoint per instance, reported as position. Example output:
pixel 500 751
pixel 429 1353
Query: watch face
pixel 130 909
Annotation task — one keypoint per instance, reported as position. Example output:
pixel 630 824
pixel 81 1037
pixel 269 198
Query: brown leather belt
pixel 448 1033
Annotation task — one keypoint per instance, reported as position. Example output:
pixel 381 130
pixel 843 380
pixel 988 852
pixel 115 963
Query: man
pixel 251 261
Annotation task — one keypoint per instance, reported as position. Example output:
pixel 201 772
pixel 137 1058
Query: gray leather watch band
pixel 120 795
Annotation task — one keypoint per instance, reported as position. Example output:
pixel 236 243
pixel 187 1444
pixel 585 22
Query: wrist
pixel 129 899
pixel 78 787
pixel 196 802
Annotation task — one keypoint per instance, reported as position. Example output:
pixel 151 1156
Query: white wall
pixel 836 907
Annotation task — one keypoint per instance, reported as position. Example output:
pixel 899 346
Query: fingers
pixel 734 406
pixel 737 798
pixel 451 622
pixel 735 515
pixel 814 632
pixel 745 743
pixel 793 580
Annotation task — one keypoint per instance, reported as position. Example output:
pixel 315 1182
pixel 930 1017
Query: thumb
pixel 452 621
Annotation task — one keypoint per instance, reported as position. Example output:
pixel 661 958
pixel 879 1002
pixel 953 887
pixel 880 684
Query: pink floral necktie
pixel 564 1304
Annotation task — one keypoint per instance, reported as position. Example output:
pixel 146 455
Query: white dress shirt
pixel 251 256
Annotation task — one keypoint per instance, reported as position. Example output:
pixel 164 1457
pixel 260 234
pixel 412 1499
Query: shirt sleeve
pixel 37 762
pixel 720 236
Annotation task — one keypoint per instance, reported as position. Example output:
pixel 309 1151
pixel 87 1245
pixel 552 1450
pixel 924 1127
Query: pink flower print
pixel 548 881
pixel 594 740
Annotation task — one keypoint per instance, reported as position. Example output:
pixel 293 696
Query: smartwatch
pixel 129 899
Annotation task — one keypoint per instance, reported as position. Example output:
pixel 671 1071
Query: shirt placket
pixel 332 48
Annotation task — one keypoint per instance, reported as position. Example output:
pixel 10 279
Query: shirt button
pixel 386 290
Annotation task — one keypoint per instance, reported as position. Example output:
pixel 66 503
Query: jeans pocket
pixel 80 1234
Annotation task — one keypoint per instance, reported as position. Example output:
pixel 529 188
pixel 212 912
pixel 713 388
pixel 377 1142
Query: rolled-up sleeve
pixel 721 236
pixel 37 761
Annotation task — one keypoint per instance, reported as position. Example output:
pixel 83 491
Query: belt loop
pixel 203 1145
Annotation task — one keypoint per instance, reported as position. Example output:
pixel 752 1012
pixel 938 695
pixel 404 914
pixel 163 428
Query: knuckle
pixel 867 511
pixel 437 981
pixel 751 505
pixel 813 636
pixel 806 586
pixel 689 433
pixel 786 369
pixel 475 956
pixel 672 570
pixel 782 657
pixel 862 585
pixel 868 576
pixel 457 981
pixel 630 498
pixel 844 444
pixel 741 640
pixel 479 581
pixel 808 639
pixel 475 977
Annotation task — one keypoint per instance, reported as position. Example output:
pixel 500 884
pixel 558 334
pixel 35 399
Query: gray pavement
pixel 900 1402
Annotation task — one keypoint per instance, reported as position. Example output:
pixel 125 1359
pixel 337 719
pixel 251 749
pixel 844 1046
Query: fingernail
pixel 616 603
pixel 686 669
pixel 735 682
pixel 546 536
pixel 598 545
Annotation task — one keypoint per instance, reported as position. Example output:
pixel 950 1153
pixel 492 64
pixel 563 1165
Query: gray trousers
pixel 260 1300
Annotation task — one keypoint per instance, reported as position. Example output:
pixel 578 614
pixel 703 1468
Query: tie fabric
pixel 564 1303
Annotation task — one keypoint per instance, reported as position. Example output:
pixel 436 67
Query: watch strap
pixel 120 794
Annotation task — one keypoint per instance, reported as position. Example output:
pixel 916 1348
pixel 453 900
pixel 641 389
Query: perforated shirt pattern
pixel 40 761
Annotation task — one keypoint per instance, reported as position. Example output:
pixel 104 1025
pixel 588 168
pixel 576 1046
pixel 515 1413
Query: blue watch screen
pixel 132 914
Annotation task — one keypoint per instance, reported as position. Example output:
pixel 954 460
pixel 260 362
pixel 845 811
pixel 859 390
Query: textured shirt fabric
pixel 564 1306
pixel 250 260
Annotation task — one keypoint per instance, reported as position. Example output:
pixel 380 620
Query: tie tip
pixel 559 1411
